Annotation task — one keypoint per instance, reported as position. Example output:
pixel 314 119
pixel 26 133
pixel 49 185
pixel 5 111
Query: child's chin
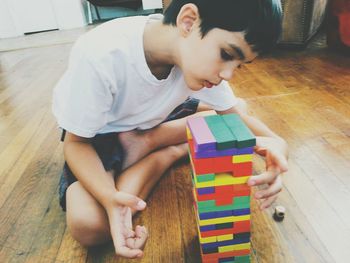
pixel 195 86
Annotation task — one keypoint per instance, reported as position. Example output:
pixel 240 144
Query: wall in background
pixel 18 17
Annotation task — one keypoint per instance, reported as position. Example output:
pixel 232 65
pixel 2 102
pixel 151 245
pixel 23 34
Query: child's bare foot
pixel 135 146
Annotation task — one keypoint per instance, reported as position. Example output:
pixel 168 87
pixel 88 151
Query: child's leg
pixel 140 178
pixel 87 219
pixel 137 144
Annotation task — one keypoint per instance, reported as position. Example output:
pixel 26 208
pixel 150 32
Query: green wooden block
pixel 242 259
pixel 222 134
pixel 241 199
pixel 245 138
pixel 204 209
pixel 241 202
pixel 205 178
pixel 206 204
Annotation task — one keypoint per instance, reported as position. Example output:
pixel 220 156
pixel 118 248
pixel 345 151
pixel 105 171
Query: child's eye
pixel 226 56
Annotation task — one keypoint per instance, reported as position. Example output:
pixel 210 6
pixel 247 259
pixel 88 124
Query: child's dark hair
pixel 259 19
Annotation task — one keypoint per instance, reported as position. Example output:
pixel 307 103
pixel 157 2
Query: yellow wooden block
pixel 225 237
pixel 243 158
pixel 234 247
pixel 222 179
pixel 203 184
pixel 205 240
pixel 227 179
pixel 188 132
pixel 222 220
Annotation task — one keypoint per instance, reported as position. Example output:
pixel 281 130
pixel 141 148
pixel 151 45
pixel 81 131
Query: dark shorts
pixel 110 151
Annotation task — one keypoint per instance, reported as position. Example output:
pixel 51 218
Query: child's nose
pixel 226 74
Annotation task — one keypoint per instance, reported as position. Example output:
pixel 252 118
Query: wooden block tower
pixel 221 150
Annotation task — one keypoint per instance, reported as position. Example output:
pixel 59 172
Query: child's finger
pixel 268 202
pixel 273 189
pixel 130 200
pixel 280 161
pixel 139 241
pixel 120 244
pixel 128 218
pixel 141 237
pixel 127 252
pixel 264 178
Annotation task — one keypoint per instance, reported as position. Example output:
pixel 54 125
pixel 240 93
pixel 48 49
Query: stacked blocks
pixel 221 149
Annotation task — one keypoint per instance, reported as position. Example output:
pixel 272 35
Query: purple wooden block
pixel 207 228
pixel 228 152
pixel 202 137
pixel 206 190
pixel 217 214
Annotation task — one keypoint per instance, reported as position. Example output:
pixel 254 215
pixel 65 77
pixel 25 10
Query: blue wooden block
pixel 240 212
pixel 218 214
pixel 206 190
pixel 207 228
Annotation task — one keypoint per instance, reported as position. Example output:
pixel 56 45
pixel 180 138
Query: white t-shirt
pixel 108 86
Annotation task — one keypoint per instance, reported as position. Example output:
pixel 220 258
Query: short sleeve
pixel 220 97
pixel 82 98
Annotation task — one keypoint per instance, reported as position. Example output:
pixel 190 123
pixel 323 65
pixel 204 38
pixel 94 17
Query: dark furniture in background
pixel 133 4
pixel 301 20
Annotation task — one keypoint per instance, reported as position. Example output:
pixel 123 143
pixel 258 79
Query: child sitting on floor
pixel 117 98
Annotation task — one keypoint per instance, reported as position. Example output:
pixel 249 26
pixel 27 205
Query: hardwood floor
pixel 302 95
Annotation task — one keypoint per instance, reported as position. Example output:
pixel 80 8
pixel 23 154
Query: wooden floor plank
pixel 22 207
pixel 27 146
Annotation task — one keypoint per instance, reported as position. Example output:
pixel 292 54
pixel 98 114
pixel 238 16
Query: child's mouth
pixel 208 84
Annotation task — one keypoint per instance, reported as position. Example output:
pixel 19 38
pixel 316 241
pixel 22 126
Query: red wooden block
pixel 216 256
pixel 239 227
pixel 223 164
pixel 225 192
pixel 211 165
pixel 223 201
pixel 205 197
pixel 242 169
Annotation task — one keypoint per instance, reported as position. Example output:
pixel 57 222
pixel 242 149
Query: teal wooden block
pixel 203 208
pixel 241 199
pixel 223 135
pixel 242 259
pixel 205 178
pixel 245 138
pixel 205 204
pixel 241 202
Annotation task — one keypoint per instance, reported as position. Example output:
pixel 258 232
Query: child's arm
pixel 88 169
pixel 275 151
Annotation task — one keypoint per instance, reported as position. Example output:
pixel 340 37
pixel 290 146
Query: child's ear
pixel 186 19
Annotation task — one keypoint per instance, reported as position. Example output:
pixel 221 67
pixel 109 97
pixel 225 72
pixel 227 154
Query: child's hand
pixel 127 243
pixel 275 153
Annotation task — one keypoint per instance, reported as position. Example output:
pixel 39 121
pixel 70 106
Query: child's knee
pixel 87 230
